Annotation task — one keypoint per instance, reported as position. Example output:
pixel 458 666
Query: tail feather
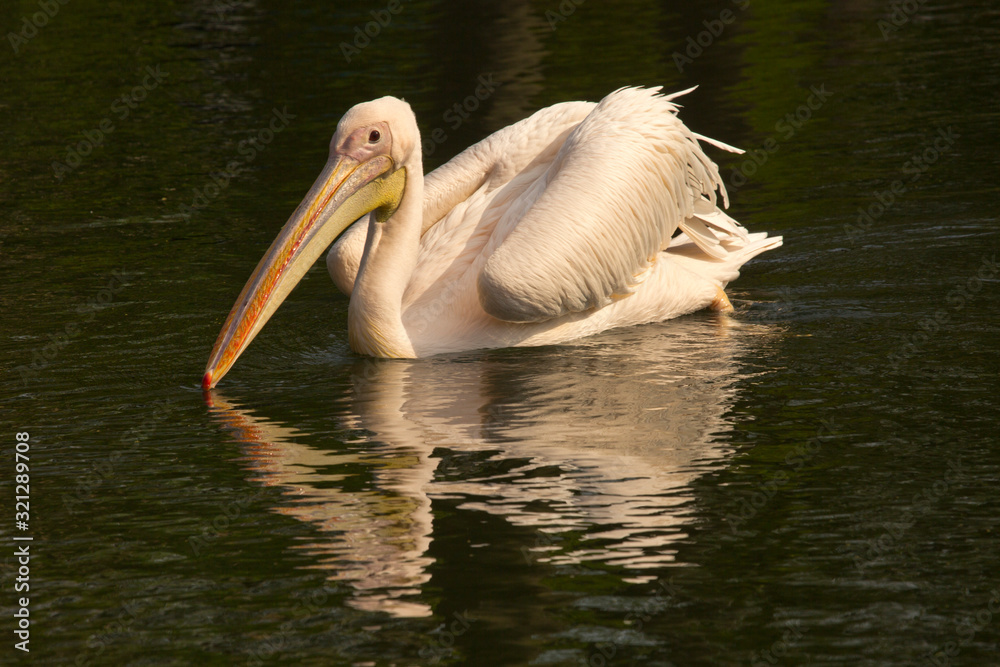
pixel 736 251
pixel 710 228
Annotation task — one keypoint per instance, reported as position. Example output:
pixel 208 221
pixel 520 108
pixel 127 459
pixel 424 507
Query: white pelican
pixel 556 227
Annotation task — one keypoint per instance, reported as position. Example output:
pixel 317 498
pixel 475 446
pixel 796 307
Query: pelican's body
pixel 557 227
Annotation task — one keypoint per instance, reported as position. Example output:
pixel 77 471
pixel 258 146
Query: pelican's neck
pixel 375 324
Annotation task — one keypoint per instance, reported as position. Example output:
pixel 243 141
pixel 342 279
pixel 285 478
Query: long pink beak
pixel 333 203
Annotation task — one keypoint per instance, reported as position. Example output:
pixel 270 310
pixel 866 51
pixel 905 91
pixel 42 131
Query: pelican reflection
pixel 601 439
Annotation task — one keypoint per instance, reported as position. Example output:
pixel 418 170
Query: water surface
pixel 811 480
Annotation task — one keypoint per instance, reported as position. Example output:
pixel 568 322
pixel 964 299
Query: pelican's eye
pixel 374 137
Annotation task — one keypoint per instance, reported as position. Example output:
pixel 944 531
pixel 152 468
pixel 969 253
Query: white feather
pixel 560 226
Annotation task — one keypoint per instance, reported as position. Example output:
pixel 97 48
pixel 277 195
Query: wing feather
pixel 497 159
pixel 626 177
pixel 465 198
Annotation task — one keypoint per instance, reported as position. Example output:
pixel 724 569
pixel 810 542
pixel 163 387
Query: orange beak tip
pixel 206 382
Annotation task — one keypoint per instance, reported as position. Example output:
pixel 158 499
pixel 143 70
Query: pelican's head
pixel 374 144
pixel 390 116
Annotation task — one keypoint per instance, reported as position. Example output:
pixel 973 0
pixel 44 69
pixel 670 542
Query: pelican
pixel 559 226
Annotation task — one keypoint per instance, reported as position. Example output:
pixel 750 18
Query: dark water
pixel 810 481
